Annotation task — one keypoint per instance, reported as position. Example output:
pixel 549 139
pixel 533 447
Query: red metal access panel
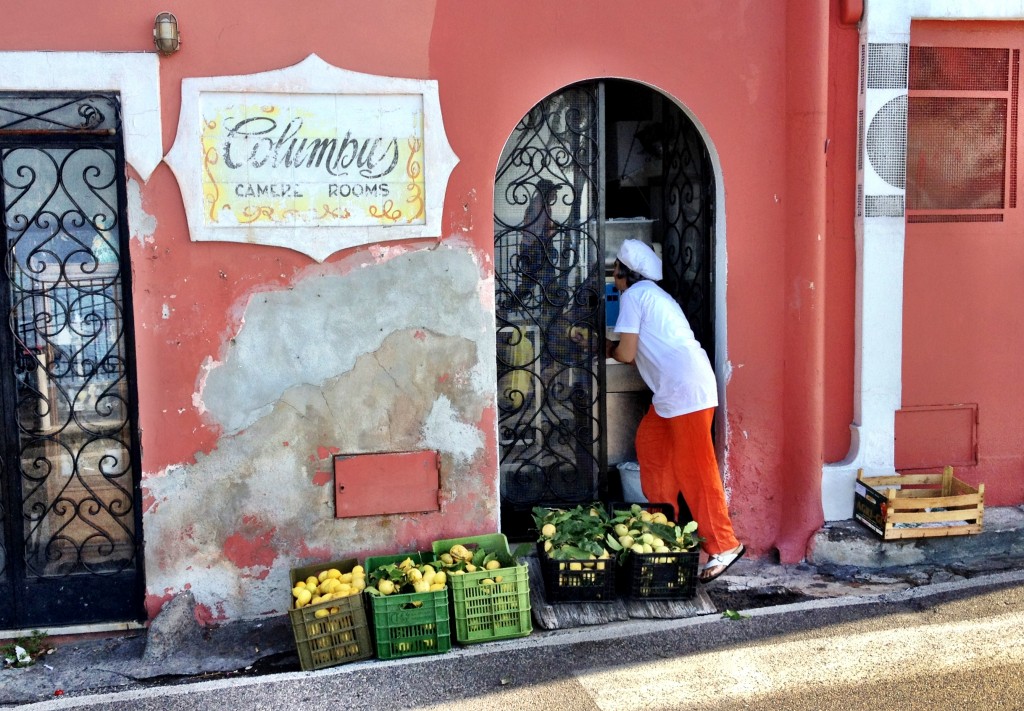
pixel 386 483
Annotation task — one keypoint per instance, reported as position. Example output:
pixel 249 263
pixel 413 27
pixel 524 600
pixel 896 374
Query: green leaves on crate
pixel 638 530
pixel 406 577
pixel 574 534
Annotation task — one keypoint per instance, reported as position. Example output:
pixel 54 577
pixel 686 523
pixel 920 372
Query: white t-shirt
pixel 670 360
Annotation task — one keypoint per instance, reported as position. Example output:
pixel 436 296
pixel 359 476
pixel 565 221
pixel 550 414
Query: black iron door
pixel 549 275
pixel 555 193
pixel 70 524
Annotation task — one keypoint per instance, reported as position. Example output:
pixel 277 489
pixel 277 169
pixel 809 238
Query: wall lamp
pixel 165 34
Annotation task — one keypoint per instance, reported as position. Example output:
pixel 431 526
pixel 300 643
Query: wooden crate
pixel 923 505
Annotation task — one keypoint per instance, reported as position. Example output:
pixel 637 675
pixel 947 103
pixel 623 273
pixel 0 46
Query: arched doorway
pixel 588 166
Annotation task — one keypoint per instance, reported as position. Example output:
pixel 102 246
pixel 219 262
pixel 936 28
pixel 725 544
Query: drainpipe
pixel 807 40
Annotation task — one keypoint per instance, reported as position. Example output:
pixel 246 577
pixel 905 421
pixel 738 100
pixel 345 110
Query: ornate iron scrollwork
pixel 549 286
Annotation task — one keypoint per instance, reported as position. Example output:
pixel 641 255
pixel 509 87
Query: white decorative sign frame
pixel 313 158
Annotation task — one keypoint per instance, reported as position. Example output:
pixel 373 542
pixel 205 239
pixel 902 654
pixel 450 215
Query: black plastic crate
pixel 660 576
pixel 577 580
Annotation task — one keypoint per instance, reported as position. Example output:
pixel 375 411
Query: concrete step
pixel 999 546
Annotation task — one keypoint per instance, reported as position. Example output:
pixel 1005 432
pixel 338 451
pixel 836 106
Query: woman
pixel 673 442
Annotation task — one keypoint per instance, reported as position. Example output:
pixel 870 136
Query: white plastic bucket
pixel 629 475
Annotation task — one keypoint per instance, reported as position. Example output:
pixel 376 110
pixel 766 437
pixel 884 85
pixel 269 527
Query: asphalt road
pixel 951 646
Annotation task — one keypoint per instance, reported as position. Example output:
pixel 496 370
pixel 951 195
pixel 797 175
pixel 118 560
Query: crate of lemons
pixel 578 550
pixel 327 614
pixel 490 589
pixel 659 558
pixel 409 605
pixel 576 562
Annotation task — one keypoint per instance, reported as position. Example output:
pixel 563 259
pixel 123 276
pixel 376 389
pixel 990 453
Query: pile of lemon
pixel 330 584
pixel 459 561
pixel 409 577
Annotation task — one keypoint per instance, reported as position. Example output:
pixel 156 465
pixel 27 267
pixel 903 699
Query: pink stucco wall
pixel 735 67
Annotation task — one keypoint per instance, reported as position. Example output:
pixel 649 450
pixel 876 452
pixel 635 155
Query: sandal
pixel 723 561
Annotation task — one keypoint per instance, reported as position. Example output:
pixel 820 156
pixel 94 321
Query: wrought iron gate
pixel 550 267
pixel 549 304
pixel 70 523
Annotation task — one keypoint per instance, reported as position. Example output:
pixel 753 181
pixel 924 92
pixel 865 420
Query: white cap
pixel 639 257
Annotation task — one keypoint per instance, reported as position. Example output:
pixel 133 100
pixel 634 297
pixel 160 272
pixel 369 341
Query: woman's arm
pixel 624 350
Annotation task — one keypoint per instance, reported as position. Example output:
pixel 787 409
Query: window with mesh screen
pixel 961 133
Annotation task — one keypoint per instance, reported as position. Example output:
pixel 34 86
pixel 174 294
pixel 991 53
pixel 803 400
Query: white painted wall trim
pixel 880 237
pixel 134 75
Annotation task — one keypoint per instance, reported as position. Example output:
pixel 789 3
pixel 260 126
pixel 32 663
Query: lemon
pixel 575 566
pixel 386 587
pixel 297 591
pixel 470 568
pixel 548 530
pixel 440 578
pixel 646 516
pixel 303 597
pixel 498 578
pixel 346 577
pixel 334 573
pixel 421 586
pixel 358 570
pixel 487 581
pixel 447 559
pixel 321 613
pixel 406 564
pixel 436 586
pixel 414 575
pixel 311 581
pixel 492 564
pixel 626 541
pixel 547 546
pixel 322 576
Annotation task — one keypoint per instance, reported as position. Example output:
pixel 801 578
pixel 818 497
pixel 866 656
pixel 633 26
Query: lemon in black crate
pixel 658 558
pixel 575 560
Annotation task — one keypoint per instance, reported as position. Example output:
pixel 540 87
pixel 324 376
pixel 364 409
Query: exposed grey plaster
pixel 316 330
pixel 444 432
pixel 141 223
pixel 410 393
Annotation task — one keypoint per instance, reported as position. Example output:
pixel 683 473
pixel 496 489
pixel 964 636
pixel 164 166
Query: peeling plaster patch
pixel 250 484
pixel 143 225
pixel 316 329
pixel 444 432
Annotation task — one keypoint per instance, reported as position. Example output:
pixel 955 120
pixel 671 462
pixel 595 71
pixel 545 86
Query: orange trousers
pixel 677 455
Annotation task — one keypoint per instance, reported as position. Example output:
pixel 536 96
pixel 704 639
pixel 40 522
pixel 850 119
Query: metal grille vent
pixel 959 68
pixel 883 206
pixel 887 142
pixel 887 66
pixel 860 200
pixel 860 140
pixel 863 66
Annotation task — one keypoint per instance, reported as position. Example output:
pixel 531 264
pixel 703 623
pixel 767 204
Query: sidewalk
pixel 844 561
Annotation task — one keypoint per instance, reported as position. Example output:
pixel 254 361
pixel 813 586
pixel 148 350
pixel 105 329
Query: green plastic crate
pixel 341 635
pixel 500 610
pixel 410 624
